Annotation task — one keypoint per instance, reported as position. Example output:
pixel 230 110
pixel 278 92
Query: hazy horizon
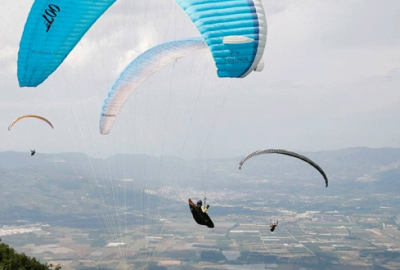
pixel 194 158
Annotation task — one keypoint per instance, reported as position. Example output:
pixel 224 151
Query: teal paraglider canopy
pixel 52 30
pixel 235 32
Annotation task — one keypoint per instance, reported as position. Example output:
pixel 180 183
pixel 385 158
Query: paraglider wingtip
pixel 259 67
pixel 240 167
pixel 104 132
pixel 24 84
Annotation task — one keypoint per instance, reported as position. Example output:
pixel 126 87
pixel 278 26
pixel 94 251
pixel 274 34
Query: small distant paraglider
pixel 199 213
pixel 287 153
pixel 273 225
pixel 33 152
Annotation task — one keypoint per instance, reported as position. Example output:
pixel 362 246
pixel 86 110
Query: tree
pixel 10 260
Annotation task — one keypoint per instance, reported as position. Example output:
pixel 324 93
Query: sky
pixel 331 80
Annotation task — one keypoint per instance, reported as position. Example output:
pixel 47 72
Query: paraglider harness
pixel 273 225
pixel 199 213
pixel 202 207
pixel 33 152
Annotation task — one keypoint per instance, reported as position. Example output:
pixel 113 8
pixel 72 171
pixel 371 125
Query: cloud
pixel 8 65
pixel 147 38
